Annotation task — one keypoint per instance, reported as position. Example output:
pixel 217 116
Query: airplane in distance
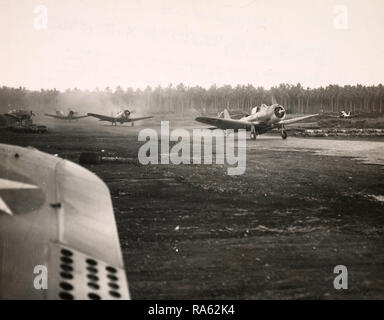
pixel 261 120
pixel 121 117
pixel 71 115
pixel 344 115
pixel 58 234
pixel 21 116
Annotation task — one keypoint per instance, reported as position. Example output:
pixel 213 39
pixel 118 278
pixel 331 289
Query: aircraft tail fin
pixel 226 114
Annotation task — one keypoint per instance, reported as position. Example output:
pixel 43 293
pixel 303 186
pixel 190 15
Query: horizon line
pixel 174 85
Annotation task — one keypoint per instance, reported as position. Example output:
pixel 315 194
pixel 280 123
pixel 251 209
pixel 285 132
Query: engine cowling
pixel 279 112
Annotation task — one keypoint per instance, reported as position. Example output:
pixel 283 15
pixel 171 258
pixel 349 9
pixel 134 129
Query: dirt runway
pixel 302 207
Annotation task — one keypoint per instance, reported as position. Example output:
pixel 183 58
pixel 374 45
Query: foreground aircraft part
pixel 56 217
pixel 121 117
pixel 262 119
pixel 70 116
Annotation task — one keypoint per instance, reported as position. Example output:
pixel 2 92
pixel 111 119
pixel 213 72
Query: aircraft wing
pixel 354 115
pixel 293 120
pixel 78 117
pixel 11 116
pixel 101 117
pixel 140 118
pixel 56 215
pixel 226 123
pixel 55 116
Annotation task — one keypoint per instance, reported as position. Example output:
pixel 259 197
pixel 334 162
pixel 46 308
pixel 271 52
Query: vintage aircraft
pixel 344 115
pixel 121 117
pixel 71 115
pixel 21 116
pixel 58 235
pixel 262 119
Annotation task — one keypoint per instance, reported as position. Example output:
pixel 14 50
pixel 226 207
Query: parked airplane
pixel 21 116
pixel 71 115
pixel 262 119
pixel 58 235
pixel 121 117
pixel 344 115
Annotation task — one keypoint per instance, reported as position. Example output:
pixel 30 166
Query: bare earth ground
pixel 193 232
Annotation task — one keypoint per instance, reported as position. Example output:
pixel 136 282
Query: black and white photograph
pixel 175 150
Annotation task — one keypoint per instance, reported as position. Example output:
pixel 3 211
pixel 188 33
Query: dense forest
pixel 181 99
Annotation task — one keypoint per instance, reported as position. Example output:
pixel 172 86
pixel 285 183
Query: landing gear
pixel 253 133
pixel 132 124
pixel 284 134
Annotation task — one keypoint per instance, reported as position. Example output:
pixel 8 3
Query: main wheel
pixel 284 134
pixel 253 136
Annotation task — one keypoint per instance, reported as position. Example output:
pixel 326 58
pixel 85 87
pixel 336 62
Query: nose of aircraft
pixel 279 111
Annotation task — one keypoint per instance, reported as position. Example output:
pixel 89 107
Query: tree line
pixel 181 99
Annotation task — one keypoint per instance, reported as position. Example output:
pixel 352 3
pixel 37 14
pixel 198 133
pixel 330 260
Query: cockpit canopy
pixel 258 108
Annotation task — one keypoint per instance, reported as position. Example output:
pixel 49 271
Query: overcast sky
pixel 93 43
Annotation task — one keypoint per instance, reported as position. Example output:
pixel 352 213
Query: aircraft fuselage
pixel 268 115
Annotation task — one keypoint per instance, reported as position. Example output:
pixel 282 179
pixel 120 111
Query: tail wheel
pixel 284 134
